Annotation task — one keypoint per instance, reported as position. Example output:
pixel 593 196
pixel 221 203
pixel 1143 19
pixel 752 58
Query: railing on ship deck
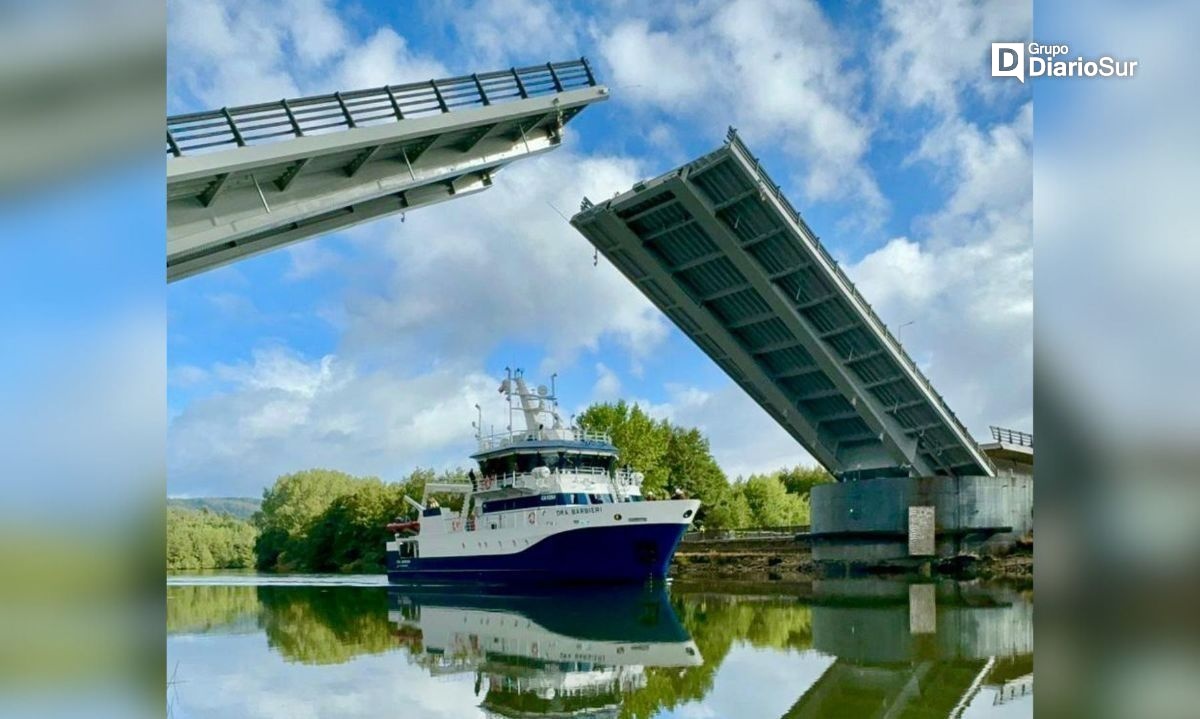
pixel 505 439
pixel 621 479
pixel 290 118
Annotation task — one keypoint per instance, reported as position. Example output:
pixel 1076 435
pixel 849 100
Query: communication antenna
pixel 508 393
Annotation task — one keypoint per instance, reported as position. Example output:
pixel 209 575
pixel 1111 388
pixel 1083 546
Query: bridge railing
pixel 290 118
pixel 890 339
pixel 1012 436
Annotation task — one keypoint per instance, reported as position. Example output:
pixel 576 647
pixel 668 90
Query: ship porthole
pixel 617 517
pixel 687 514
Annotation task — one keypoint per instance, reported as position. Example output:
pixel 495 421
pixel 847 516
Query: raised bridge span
pixel 719 249
pixel 244 180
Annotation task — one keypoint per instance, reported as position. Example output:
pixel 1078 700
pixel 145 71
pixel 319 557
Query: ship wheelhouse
pixel 527 470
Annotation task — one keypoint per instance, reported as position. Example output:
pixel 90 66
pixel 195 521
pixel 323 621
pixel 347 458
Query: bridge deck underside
pixel 718 249
pixel 241 181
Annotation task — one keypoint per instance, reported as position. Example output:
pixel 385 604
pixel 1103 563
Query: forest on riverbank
pixel 323 520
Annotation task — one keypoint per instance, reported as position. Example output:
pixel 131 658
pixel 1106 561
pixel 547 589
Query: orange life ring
pixel 532 518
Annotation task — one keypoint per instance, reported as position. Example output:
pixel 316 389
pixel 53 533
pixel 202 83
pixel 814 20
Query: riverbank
pixel 790 561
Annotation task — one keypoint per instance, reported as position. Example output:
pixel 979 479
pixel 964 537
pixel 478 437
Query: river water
pixel 317 646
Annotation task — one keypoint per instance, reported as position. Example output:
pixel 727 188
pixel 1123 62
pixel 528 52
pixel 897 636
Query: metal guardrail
pixel 529 480
pixel 270 121
pixel 735 141
pixel 506 439
pixel 1012 436
pixel 750 533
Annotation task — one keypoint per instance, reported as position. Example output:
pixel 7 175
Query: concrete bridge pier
pixel 910 521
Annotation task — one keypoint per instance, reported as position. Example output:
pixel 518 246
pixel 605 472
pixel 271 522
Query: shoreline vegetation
pixel 323 520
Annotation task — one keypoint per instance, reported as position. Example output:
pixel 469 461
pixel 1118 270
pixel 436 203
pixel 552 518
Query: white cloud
pixel 934 50
pixel 243 677
pixel 608 385
pixel 499 32
pixel 501 266
pixel 317 32
pixel 231 53
pixel 384 58
pixel 968 282
pixel 187 375
pixel 286 412
pixel 777 70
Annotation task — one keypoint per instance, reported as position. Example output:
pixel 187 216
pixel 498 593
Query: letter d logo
pixel 1008 60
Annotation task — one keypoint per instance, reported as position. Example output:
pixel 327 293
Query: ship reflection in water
pixel 547 654
pixel 844 648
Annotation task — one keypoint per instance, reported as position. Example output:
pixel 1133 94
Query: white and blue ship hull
pixel 621 543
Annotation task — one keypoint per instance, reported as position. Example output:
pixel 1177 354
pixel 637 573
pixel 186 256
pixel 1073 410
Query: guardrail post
pixel 441 100
pixel 345 110
pixel 237 136
pixel 520 85
pixel 479 86
pixel 395 104
pixel 295 125
pixel 174 147
pixel 554 76
pixel 588 69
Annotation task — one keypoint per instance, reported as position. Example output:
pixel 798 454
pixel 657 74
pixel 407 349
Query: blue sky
pixel 366 349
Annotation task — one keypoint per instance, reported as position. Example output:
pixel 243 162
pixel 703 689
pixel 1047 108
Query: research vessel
pixel 548 504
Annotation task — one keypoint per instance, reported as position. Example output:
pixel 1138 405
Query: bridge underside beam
pixel 716 246
pixel 229 204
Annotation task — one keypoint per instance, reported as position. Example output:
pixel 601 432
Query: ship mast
pixel 532 404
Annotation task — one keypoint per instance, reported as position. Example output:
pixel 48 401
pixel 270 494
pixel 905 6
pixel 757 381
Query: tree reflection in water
pixel 896 650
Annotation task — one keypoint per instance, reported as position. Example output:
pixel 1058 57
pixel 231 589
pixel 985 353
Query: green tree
pixel 291 508
pixel 672 458
pixel 324 521
pixel 770 503
pixel 691 469
pixel 800 480
pixel 207 540
pixel 729 511
pixel 641 442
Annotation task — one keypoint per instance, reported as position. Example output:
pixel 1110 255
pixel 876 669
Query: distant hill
pixel 240 507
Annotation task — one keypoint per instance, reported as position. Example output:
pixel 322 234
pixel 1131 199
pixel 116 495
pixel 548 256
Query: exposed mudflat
pixel 788 561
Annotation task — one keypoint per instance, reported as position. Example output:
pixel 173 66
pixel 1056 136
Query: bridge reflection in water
pixel 916 650
pixel 872 648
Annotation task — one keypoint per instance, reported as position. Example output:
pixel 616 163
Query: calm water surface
pixel 313 646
